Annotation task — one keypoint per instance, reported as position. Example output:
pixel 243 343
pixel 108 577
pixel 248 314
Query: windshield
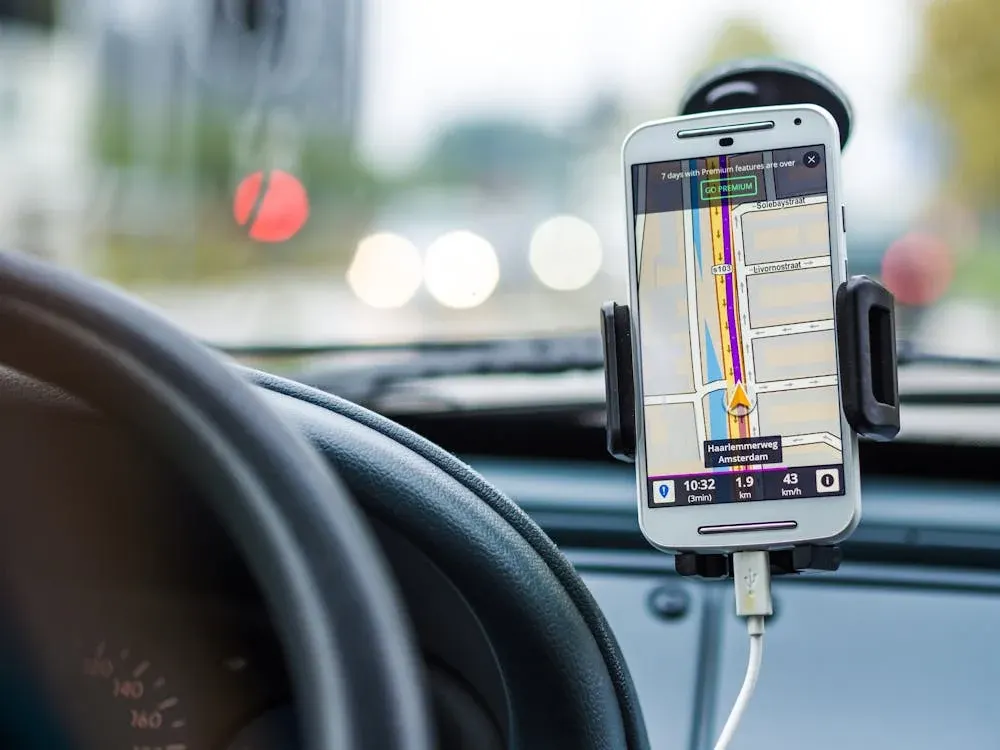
pixel 309 172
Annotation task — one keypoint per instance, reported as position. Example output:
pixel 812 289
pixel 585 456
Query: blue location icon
pixel 663 492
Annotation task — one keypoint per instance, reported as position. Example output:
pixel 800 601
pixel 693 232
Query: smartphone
pixel 736 249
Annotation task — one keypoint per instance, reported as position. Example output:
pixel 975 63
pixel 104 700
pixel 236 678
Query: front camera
pixel 725 141
pixel 798 121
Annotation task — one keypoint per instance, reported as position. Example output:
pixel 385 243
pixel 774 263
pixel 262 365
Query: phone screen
pixel 735 311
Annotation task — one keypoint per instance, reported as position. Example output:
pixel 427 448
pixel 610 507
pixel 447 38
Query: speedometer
pixel 127 701
pixel 132 672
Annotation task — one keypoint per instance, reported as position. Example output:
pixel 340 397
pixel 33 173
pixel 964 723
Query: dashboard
pixel 887 652
pixel 140 620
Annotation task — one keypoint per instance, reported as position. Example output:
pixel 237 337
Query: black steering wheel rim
pixel 353 666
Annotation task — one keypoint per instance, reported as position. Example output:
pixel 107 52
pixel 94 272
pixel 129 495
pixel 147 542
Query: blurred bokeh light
pixel 461 269
pixel 386 271
pixel 565 253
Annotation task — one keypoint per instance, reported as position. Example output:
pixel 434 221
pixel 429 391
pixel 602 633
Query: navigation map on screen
pixel 735 308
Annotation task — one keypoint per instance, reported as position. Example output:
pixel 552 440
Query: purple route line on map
pixel 727 249
pixel 722 470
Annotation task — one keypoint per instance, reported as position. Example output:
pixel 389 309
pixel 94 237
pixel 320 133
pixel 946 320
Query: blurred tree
pixel 38 13
pixel 496 152
pixel 739 38
pixel 329 166
pixel 957 76
pixel 603 113
pixel 602 119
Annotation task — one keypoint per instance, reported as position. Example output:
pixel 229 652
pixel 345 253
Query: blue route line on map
pixel 718 422
pixel 695 218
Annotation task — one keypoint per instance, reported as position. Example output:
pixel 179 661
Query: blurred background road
pixel 453 172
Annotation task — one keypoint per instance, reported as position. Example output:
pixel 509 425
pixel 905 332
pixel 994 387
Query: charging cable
pixel 752 576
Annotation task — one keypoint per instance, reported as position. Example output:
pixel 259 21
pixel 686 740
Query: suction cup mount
pixel 766 83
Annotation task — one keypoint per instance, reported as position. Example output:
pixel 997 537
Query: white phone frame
pixel 818 520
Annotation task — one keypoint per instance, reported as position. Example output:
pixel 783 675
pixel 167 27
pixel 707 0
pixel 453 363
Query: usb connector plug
pixel 752 576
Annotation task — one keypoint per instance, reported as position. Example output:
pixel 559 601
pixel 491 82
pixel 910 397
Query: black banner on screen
pixel 751 451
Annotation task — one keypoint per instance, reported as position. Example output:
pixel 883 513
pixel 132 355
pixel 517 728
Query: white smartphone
pixel 736 249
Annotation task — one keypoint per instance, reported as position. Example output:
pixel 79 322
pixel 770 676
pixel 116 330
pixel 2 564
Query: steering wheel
pixel 255 450
pixel 351 659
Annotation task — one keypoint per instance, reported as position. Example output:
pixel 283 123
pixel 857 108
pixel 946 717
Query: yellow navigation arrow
pixel 739 397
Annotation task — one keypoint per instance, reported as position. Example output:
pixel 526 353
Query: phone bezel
pixel 818 520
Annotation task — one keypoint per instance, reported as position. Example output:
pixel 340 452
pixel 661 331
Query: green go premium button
pixel 730 187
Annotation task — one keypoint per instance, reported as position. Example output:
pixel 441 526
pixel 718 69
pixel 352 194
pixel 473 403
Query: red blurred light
pixel 917 269
pixel 278 214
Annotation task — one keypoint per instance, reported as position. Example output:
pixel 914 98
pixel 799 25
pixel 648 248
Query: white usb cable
pixel 752 578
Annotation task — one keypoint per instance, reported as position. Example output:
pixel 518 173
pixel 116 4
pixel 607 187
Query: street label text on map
pixel 743 451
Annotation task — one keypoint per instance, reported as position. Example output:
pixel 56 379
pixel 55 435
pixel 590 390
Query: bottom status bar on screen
pixel 772 483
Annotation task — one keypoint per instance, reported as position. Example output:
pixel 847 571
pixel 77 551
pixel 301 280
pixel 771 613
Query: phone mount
pixel 761 82
pixel 864 314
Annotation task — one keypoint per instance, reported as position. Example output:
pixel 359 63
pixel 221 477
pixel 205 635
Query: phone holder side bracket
pixel 619 382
